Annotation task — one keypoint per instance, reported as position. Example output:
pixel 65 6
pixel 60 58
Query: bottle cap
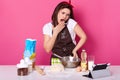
pixel 83 50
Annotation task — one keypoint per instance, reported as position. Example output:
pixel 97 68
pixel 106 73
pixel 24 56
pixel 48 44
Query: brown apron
pixel 63 45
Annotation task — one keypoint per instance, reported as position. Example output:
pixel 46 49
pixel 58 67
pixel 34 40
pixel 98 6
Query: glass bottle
pixel 84 60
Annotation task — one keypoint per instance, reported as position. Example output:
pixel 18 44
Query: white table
pixel 9 72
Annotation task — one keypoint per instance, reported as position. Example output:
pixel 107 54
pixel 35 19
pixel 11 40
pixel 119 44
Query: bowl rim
pixel 62 59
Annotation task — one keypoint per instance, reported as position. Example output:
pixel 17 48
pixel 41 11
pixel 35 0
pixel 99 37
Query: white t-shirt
pixel 47 29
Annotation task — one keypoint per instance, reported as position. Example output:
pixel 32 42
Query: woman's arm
pixel 81 34
pixel 49 41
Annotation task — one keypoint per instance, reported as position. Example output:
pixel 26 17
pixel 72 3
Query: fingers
pixel 59 27
pixel 62 24
pixel 75 55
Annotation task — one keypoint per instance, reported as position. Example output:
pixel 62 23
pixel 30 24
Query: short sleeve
pixel 47 29
pixel 72 23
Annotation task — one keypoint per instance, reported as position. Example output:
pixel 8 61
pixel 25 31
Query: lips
pixel 62 20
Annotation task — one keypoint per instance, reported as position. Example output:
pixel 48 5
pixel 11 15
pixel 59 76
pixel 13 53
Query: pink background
pixel 21 19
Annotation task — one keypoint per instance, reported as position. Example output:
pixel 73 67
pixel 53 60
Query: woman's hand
pixel 59 27
pixel 75 54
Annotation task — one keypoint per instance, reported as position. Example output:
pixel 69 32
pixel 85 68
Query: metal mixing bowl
pixel 70 62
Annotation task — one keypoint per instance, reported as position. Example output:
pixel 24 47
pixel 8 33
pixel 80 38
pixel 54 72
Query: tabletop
pixel 9 72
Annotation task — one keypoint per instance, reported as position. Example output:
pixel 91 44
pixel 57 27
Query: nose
pixel 64 16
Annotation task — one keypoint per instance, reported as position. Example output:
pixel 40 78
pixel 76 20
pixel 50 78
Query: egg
pixel 78 69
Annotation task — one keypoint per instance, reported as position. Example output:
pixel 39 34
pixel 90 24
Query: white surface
pixel 10 73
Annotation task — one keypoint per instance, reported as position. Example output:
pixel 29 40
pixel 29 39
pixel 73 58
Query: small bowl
pixel 70 62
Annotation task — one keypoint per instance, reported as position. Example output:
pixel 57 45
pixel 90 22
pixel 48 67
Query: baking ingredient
pixel 84 60
pixel 78 69
pixel 57 68
pixel 39 70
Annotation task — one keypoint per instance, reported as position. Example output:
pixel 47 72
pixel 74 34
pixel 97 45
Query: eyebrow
pixel 65 12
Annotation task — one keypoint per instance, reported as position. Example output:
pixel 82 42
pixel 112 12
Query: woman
pixel 59 35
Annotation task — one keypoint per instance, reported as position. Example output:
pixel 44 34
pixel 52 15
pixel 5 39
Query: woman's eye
pixel 68 14
pixel 63 12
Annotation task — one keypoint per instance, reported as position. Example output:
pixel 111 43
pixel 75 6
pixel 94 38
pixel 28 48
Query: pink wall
pixel 21 19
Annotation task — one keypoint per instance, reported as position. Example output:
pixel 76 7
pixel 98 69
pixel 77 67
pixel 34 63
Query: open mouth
pixel 62 20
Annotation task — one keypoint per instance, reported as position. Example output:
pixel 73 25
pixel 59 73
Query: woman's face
pixel 63 15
